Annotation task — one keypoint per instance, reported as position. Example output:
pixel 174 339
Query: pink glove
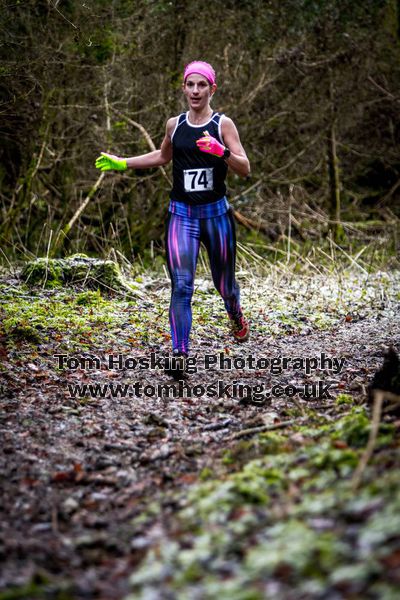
pixel 209 144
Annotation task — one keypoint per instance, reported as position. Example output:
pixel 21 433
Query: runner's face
pixel 198 91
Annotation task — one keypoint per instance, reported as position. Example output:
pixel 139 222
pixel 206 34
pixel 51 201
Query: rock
pixel 94 273
pixel 70 505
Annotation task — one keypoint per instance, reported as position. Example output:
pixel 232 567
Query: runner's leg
pixel 219 237
pixel 182 243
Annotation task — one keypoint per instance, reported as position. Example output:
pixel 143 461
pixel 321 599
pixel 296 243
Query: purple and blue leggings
pixel 183 235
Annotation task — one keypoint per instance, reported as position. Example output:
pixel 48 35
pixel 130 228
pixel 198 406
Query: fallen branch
pixel 261 428
pixel 65 230
pixel 250 224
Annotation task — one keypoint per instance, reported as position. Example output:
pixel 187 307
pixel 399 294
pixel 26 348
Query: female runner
pixel 202 144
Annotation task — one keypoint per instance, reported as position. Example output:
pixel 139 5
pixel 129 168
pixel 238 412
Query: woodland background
pixel 111 497
pixel 312 86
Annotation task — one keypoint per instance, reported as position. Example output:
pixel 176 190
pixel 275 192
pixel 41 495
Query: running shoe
pixel 177 366
pixel 239 327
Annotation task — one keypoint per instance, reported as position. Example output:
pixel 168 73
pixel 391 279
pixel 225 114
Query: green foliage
pixel 37 320
pixel 298 547
pixel 89 298
pixel 247 520
pixel 119 125
pixel 45 272
pixel 344 399
pixel 206 473
pixel 354 429
pixel 23 331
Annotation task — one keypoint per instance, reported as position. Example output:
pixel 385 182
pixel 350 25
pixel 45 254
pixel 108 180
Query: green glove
pixel 106 162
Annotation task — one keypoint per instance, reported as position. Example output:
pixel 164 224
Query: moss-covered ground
pixel 287 524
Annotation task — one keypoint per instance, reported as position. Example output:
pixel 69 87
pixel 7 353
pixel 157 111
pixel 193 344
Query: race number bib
pixel 198 180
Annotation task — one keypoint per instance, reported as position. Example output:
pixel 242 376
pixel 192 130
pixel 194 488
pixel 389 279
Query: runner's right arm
pixel 157 158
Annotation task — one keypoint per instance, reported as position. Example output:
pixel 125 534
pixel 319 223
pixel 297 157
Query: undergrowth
pixel 287 523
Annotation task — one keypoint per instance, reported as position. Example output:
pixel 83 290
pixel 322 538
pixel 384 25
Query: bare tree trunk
pixel 333 168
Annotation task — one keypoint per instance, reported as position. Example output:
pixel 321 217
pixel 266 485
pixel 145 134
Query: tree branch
pixel 146 136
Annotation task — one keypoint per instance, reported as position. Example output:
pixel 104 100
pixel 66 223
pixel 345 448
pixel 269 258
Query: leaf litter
pixel 158 497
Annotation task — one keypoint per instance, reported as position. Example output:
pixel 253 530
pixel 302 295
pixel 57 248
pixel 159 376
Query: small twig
pixel 247 190
pixel 351 259
pixel 383 90
pixel 289 236
pixel 390 193
pixel 254 430
pixel 54 519
pixel 250 224
pixel 261 84
pixel 379 396
pixel 294 159
pixel 47 258
pixel 146 136
pixel 64 232
pixel 298 406
pixel 248 98
pixel 63 16
pixel 106 104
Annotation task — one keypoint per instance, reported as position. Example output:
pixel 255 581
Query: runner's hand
pixel 107 162
pixel 209 144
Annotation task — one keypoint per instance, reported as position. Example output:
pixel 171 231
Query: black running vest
pixel 198 177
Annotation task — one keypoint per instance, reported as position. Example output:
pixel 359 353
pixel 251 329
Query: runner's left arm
pixel 237 161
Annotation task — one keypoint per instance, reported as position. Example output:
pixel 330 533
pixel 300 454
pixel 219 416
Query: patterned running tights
pixel 182 242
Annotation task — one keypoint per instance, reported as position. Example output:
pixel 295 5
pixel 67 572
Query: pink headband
pixel 201 68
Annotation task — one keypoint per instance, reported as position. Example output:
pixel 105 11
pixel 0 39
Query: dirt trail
pixel 76 473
